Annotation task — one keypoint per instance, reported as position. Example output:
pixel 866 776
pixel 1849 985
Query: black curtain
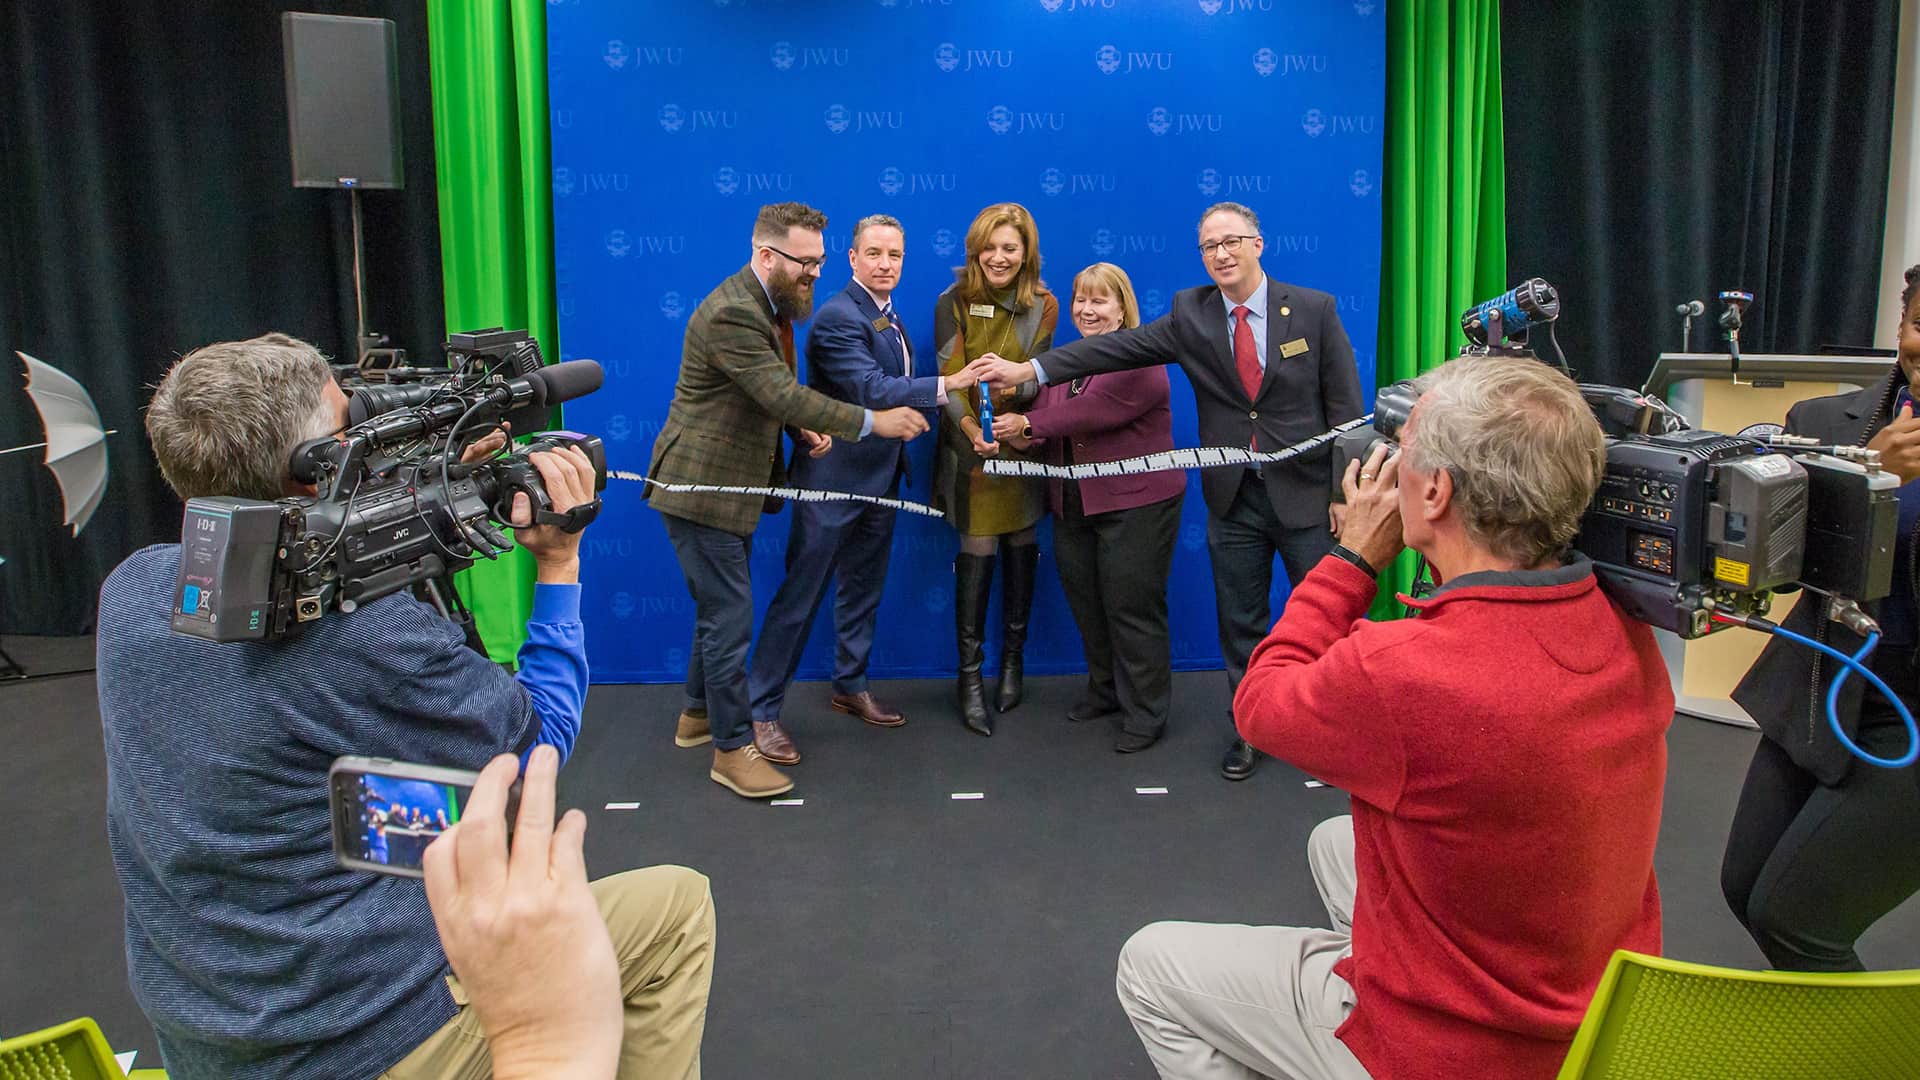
pixel 149 210
pixel 1661 152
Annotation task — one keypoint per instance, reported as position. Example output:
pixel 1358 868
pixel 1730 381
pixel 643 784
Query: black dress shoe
pixel 1129 742
pixel 1087 709
pixel 1238 764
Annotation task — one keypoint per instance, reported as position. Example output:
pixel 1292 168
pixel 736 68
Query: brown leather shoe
pixel 692 730
pixel 774 742
pixel 745 772
pixel 864 706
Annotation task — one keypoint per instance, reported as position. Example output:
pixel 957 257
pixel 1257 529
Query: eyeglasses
pixel 1231 243
pixel 807 266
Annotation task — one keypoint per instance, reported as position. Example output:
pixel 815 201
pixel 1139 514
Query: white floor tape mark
pixel 969 794
pixel 623 806
pixel 788 802
pixel 1149 791
pixel 1316 783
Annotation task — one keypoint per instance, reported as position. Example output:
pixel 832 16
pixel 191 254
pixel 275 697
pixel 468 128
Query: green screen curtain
pixel 1445 234
pixel 490 139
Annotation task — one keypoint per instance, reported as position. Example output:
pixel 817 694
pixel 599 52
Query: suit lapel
pixel 1279 329
pixel 1218 327
pixel 871 312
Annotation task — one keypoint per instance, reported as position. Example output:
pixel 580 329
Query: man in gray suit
pixel 1270 365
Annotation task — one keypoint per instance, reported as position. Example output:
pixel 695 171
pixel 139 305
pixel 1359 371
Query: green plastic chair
pixel 74 1050
pixel 1653 1017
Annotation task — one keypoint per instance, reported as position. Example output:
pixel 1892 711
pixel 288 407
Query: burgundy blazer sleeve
pixel 1111 400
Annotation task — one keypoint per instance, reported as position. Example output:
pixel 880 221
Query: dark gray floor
pixel 883 929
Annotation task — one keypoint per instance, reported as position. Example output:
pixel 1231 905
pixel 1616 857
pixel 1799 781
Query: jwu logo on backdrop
pixel 727 180
pixel 945 243
pixel 840 119
pixel 895 181
pixel 673 119
pixel 1268 62
pixel 1059 181
pixel 1234 7
pixel 1112 61
pixel 621 243
pixel 948 56
pixel 566 182
pixel 787 56
pixel 1317 123
pixel 1105 243
pixel 1213 182
pixel 617 55
pixel 1162 121
pixel 1056 6
pixel 1003 121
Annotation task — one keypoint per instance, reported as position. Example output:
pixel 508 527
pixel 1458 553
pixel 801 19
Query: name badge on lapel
pixel 981 311
pixel 881 323
pixel 1294 348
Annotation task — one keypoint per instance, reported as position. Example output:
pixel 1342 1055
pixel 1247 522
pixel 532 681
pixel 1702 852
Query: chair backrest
pixel 1653 1017
pixel 74 1050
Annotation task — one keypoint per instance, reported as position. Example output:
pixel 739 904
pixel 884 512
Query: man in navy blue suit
pixel 859 352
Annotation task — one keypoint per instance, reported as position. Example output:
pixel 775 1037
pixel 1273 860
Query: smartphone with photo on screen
pixel 386 812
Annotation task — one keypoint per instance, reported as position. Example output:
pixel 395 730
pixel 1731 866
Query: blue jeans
pixel 715 563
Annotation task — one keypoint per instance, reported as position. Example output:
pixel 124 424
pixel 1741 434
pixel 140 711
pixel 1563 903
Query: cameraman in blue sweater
pixel 250 949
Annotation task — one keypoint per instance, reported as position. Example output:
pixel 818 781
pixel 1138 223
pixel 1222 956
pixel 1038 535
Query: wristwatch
pixel 1026 428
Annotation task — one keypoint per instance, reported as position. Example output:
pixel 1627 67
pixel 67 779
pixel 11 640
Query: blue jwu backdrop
pixel 1116 122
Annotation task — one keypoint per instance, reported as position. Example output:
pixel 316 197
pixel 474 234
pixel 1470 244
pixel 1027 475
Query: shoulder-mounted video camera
pixel 1689 522
pixel 394 507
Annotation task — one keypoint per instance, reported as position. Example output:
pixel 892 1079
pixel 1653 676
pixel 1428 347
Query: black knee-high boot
pixel 972 582
pixel 1016 606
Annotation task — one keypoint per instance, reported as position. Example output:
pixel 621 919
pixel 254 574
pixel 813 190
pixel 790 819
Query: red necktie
pixel 786 341
pixel 1245 356
pixel 1247 359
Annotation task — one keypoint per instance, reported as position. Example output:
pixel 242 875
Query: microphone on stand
pixel 1687 312
pixel 1736 301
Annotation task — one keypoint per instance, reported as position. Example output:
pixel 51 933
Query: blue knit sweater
pixel 253 953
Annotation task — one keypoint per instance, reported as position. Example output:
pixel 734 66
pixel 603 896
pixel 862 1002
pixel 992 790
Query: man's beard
pixel 792 296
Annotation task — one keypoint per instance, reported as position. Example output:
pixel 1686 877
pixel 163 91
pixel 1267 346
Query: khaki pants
pixel 661 922
pixel 1235 1002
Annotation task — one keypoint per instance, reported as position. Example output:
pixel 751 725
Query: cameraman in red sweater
pixel 1504 751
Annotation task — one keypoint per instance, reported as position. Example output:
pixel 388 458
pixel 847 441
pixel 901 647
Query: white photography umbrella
pixel 76 442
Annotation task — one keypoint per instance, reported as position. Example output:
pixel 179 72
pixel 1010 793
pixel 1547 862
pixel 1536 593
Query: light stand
pixel 371 351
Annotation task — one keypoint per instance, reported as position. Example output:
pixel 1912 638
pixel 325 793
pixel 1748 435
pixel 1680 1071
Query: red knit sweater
pixel 1505 753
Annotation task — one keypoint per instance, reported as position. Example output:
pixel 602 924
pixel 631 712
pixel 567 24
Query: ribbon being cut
pixel 1203 457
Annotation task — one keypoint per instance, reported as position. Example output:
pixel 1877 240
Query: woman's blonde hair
pixel 1108 278
pixel 1026 281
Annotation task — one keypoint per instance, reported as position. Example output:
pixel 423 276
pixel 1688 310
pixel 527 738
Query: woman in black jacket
pixel 1822 844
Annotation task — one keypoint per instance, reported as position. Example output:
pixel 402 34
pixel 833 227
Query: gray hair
pixel 1522 446
pixel 871 221
pixel 1253 219
pixel 226 417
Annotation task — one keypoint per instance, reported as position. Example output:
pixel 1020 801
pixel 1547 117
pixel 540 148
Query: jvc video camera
pixel 1686 522
pixel 395 507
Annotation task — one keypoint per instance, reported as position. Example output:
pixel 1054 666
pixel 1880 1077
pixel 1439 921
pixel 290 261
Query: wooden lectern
pixel 1701 388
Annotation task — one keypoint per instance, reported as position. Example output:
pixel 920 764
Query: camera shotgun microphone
pixel 537 390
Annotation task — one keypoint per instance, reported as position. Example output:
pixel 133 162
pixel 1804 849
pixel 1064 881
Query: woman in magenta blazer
pixel 1112 536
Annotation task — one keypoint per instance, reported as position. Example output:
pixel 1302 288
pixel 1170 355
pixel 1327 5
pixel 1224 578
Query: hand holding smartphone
pixel 386 812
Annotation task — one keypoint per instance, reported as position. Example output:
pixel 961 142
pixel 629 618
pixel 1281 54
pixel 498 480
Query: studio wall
pixel 1115 122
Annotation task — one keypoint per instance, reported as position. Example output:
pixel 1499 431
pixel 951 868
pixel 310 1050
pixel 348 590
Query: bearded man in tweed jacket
pixel 737 390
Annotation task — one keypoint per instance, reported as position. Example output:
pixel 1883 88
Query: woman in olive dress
pixel 997 304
